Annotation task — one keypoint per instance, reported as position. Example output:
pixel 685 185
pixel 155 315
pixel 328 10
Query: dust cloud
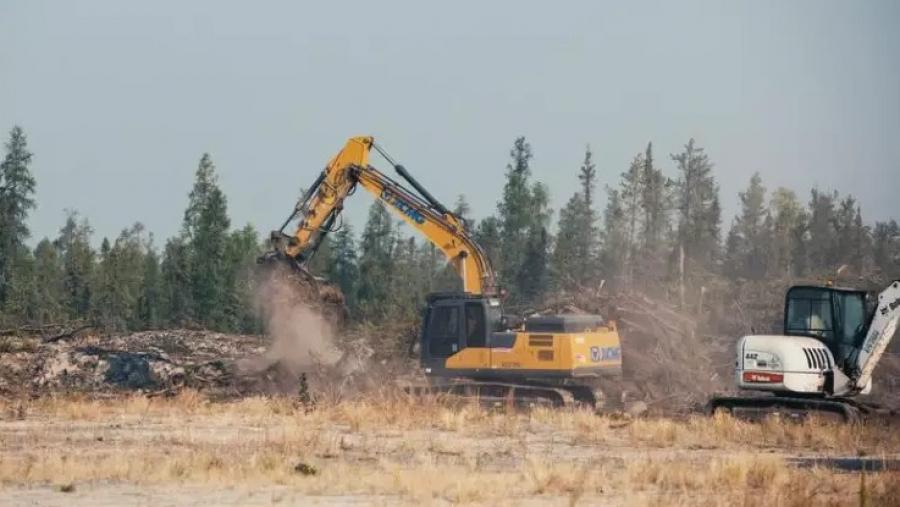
pixel 301 335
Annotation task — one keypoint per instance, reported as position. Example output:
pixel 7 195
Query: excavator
pixel 468 346
pixel 832 340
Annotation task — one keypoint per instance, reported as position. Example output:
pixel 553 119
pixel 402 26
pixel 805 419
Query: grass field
pixel 393 449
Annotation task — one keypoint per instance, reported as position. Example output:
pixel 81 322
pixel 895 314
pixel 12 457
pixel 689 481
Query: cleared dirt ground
pixel 395 450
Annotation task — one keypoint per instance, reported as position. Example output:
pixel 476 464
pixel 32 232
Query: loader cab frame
pixel 836 317
pixel 454 321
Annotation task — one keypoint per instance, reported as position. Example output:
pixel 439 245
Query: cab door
pixel 478 355
pixel 443 331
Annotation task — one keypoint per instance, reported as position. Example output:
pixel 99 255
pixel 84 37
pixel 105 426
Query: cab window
pixel 476 332
pixel 443 331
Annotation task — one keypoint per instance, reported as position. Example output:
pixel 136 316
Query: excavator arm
pixel 879 335
pixel 321 205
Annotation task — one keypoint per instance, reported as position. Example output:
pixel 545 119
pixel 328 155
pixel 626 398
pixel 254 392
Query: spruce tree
pixel 630 194
pixel 571 254
pixel 78 258
pixel 17 187
pixel 533 277
pixel 462 209
pixel 615 244
pixel 177 291
pixel 242 249
pixel 119 280
pixel 344 267
pixel 48 284
pixel 206 226
pixel 748 249
pixel 376 266
pixel 587 175
pixel 21 302
pixel 655 204
pixel 823 248
pixel 699 209
pixel 886 248
pixel 514 211
pixel 575 253
pixel 788 230
pixel 149 304
pixel 852 236
pixel 488 236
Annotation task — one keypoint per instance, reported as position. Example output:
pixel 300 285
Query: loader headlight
pixel 757 360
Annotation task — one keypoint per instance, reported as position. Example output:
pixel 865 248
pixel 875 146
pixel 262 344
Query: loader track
pixel 759 407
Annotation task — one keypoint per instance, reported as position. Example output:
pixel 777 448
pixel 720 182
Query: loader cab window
pixel 476 330
pixel 837 317
pixel 443 331
pixel 808 313
pixel 850 318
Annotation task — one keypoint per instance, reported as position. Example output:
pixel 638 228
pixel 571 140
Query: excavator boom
pixel 320 206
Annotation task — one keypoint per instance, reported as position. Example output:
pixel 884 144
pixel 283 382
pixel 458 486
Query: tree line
pixel 660 229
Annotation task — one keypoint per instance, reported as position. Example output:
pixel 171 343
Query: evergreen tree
pixel 177 292
pixel 344 267
pixel 462 209
pixel 823 254
pixel 119 280
pixel 405 287
pixel 376 266
pixel 488 236
pixel 630 194
pixel 788 234
pixel 241 252
pixel 699 210
pixel 587 175
pixel 48 284
pixel 522 221
pixel 747 249
pixel 16 200
pixel 852 237
pixel 514 210
pixel 78 258
pixel 21 303
pixel 655 204
pixel 149 304
pixel 533 277
pixel 104 290
pixel 615 244
pixel 572 258
pixel 575 254
pixel 886 248
pixel 206 224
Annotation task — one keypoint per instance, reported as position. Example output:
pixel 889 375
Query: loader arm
pixel 879 335
pixel 322 204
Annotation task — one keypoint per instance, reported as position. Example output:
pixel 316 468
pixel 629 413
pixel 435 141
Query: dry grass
pixel 425 450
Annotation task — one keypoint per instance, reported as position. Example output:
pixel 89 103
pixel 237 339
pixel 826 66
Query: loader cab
pixel 837 317
pixel 453 321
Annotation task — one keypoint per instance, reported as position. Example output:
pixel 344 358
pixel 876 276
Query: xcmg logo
pixel 605 354
pixel 392 199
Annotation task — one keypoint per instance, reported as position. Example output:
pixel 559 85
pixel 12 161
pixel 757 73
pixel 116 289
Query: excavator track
pixel 759 407
pixel 502 394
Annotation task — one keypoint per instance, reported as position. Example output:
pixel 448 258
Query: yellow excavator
pixel 468 346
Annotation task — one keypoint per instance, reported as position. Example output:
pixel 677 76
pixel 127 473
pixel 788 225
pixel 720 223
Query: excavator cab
pixel 457 320
pixel 836 317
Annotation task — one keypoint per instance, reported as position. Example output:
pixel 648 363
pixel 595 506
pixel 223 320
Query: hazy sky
pixel 120 99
